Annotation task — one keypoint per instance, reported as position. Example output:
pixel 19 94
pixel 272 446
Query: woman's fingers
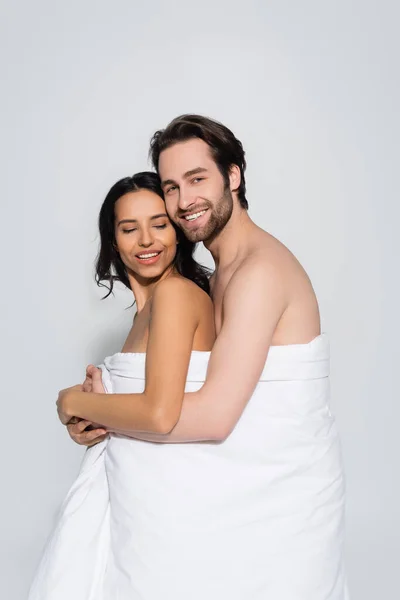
pixel 97 382
pixel 89 370
pixel 93 382
pixel 87 384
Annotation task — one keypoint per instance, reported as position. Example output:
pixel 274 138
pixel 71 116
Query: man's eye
pixel 171 189
pixel 197 179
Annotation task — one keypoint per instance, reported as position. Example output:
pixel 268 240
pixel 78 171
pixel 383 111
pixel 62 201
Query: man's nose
pixel 186 199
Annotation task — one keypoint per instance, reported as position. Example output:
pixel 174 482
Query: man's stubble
pixel 220 213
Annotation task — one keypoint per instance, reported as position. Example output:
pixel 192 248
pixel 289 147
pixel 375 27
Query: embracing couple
pixel 235 363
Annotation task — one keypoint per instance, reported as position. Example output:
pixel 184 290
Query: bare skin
pixel 262 297
pixel 158 291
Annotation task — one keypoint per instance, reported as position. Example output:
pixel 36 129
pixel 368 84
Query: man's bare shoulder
pixel 270 264
pixel 271 271
pixel 270 257
pixel 266 256
pixel 256 274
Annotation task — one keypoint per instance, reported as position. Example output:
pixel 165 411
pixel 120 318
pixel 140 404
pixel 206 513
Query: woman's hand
pixel 64 403
pixel 81 431
pixel 93 382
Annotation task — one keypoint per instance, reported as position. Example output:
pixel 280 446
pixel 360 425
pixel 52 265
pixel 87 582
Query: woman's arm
pixel 255 300
pixel 174 320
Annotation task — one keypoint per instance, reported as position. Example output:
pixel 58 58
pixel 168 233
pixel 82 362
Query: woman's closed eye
pixel 129 230
pixel 160 226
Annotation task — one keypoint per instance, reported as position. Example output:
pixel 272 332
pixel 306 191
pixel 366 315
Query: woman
pixel 174 313
pixel 141 248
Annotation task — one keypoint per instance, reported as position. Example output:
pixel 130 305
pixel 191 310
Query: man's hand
pixel 79 434
pixel 85 432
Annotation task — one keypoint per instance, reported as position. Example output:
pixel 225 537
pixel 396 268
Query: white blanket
pixel 257 517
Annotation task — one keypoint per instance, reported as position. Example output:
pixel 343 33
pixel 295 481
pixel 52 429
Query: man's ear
pixel 234 178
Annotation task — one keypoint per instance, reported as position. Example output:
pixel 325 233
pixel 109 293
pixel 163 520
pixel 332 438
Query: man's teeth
pixel 148 255
pixel 195 216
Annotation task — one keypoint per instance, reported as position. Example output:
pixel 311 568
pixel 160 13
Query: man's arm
pixel 254 302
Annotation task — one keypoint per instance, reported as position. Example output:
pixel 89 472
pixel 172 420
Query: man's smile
pixel 194 217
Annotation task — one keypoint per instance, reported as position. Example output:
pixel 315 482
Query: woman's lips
pixel 152 257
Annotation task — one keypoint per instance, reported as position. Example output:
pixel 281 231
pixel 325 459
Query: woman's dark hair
pixel 109 266
pixel 225 148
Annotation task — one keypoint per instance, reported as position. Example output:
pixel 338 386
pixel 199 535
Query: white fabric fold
pixel 258 516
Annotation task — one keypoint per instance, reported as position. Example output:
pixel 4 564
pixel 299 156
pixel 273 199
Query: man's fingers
pixel 96 441
pixel 77 426
pixel 88 438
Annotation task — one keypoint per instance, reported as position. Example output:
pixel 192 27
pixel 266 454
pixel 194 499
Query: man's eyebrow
pixel 167 182
pixel 186 175
pixel 194 172
pixel 135 220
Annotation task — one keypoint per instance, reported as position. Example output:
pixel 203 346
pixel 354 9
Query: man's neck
pixel 233 241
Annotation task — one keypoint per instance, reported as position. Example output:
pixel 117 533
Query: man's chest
pixel 218 289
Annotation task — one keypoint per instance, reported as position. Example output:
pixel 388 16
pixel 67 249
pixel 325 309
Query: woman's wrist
pixel 75 403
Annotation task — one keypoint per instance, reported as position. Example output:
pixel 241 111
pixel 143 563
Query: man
pixel 262 296
pixel 281 510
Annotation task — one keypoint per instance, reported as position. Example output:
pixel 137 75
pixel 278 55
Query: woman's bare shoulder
pixel 182 291
pixel 186 300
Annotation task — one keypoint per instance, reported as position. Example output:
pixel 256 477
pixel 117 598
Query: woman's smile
pixel 148 258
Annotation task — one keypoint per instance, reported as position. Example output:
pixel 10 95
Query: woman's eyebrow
pixel 127 221
pixel 135 220
pixel 158 216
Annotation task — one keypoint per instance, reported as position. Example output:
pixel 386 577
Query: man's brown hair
pixel 225 148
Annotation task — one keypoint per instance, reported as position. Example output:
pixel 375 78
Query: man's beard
pixel 218 218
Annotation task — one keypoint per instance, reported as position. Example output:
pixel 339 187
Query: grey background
pixel 312 90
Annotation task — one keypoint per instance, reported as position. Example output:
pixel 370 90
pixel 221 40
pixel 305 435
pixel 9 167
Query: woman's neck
pixel 143 288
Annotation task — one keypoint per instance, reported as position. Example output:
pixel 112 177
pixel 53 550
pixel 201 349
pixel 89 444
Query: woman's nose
pixel 146 239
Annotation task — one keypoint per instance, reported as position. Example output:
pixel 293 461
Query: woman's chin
pixel 152 271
